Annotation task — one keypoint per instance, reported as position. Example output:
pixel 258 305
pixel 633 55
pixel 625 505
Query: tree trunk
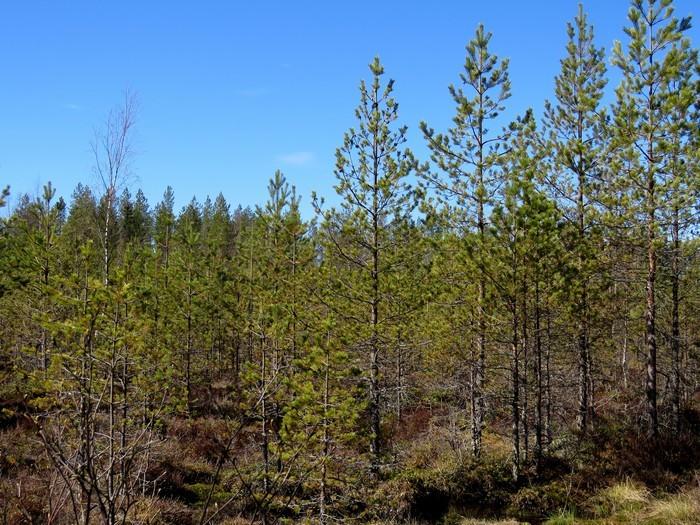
pixel 675 327
pixel 515 400
pixel 538 377
pixel 188 352
pixel 650 310
pixel 479 405
pixel 375 424
pixel 548 383
pixel 326 438
pixel 399 378
pixel 261 502
pixel 105 248
pixel 582 307
pixel 524 379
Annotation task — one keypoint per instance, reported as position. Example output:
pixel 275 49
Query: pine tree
pixel 321 418
pixel 681 165
pixel 524 244
pixel 467 154
pixel 135 223
pixel 89 424
pixel 163 234
pixel 576 138
pixel 4 194
pixel 649 65
pixel 371 169
pixel 186 289
pixel 47 217
pixel 160 300
pixel 80 227
pixel 218 285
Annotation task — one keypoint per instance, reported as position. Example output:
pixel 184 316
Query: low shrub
pixel 484 483
pixel 541 500
pixel 155 511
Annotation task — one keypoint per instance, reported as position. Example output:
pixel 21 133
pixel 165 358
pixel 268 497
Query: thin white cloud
pixel 297 158
pixel 73 107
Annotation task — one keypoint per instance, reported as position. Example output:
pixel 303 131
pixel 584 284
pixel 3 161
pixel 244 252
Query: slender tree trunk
pixel 548 383
pixel 582 419
pixel 295 313
pixel 538 374
pixel 375 423
pixel 124 464
pixel 399 378
pixel 188 352
pixel 591 385
pixel 105 248
pixel 582 307
pixel 524 378
pixel 515 400
pixel 374 376
pixel 623 362
pixel 167 255
pixel 650 311
pixel 86 423
pixel 479 405
pixel 44 331
pixel 326 438
pixel 250 304
pixel 265 446
pixel 675 326
pixel 650 318
pixel 236 361
pixel 112 410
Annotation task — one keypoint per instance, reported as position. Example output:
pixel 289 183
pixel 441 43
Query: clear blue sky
pixel 230 90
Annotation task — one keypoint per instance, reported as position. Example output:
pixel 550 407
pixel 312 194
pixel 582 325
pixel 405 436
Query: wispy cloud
pixel 73 107
pixel 297 158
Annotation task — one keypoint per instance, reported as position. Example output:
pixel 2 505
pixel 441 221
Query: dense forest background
pixel 505 328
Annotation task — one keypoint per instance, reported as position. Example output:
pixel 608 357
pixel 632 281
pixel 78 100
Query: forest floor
pixel 611 476
pixel 624 503
pixel 630 503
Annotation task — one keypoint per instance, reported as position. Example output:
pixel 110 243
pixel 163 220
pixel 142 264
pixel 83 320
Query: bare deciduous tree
pixel 112 149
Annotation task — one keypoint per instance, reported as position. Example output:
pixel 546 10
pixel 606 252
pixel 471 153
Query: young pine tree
pixel 371 169
pixel 575 123
pixel 649 65
pixel 681 167
pixel 467 155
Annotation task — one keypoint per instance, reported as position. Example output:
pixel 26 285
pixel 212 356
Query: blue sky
pixel 229 91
